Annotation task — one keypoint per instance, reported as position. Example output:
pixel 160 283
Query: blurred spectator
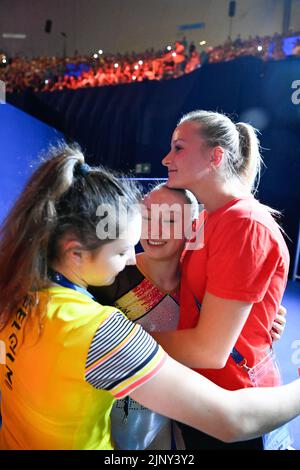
pixel 296 49
pixel 179 58
pixel 184 42
pixel 54 73
pixel 193 61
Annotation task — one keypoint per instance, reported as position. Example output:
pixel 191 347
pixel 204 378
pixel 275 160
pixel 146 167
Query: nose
pixel 167 159
pixel 131 260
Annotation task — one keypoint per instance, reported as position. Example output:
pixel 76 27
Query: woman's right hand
pixel 279 323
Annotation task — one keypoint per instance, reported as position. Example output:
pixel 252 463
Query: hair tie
pixel 82 169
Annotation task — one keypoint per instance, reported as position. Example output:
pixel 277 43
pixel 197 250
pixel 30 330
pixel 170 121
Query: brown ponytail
pixel 56 200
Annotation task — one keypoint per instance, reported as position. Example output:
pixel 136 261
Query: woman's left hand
pixel 279 324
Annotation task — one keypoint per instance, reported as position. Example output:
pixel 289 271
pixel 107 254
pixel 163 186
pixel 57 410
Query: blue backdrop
pixel 22 137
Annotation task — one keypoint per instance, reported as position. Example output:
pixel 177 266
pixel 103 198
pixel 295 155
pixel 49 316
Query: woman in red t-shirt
pixel 232 286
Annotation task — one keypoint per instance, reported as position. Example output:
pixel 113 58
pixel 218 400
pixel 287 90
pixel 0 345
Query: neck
pixel 164 273
pixel 69 274
pixel 215 194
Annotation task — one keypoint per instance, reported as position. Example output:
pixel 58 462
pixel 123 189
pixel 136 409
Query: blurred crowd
pixel 54 73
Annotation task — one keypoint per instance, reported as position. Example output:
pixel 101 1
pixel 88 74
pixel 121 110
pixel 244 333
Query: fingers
pixel 279 323
pixel 280 320
pixel 278 328
pixel 275 336
pixel 282 310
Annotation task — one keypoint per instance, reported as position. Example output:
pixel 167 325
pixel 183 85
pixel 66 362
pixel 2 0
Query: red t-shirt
pixel 244 258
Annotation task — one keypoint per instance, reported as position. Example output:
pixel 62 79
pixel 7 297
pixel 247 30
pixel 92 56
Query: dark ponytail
pixel 57 199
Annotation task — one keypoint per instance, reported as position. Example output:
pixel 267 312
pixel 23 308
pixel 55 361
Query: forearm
pixel 257 411
pixel 209 344
pixel 227 415
pixel 186 348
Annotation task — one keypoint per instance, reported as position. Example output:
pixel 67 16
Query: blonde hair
pixel 239 141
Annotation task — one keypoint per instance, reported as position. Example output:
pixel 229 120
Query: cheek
pixel 177 244
pixel 119 264
pixel 194 162
pixel 177 229
pixel 145 229
pixel 143 243
pixel 106 267
pixel 116 264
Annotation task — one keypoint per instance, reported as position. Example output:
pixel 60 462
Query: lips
pixel 155 243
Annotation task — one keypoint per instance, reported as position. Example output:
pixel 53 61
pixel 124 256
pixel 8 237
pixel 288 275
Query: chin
pixel 110 281
pixel 159 254
pixel 172 183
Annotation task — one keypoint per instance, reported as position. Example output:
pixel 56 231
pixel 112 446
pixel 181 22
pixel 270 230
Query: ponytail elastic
pixel 82 169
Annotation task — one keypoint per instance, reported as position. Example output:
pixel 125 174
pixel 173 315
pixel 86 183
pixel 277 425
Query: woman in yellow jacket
pixel 66 358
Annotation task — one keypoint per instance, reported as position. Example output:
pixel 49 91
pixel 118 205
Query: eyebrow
pixel 123 248
pixel 177 140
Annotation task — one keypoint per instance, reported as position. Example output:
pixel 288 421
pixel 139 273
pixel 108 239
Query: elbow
pixel 233 425
pixel 235 430
pixel 231 433
pixel 237 434
pixel 208 360
pixel 220 363
pixel 216 362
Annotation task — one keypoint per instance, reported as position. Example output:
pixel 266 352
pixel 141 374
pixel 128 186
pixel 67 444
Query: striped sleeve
pixel 122 356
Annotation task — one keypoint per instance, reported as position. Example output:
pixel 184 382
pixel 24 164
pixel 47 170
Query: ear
pixel 217 156
pixel 72 250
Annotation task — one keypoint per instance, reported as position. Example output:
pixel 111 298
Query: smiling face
pixel 163 230
pixel 188 161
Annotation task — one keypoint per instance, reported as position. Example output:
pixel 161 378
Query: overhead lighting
pixel 140 62
pixel 95 56
pixel 169 48
pixel 13 36
pixel 116 65
pixel 100 51
pixel 202 43
pixel 259 48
